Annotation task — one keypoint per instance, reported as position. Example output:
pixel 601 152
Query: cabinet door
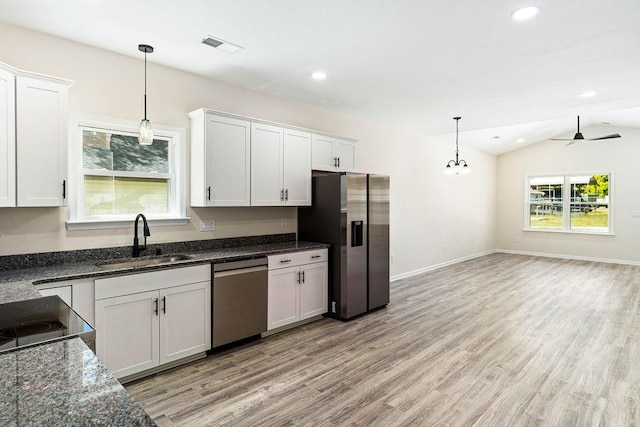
pixel 314 290
pixel 41 128
pixel 297 168
pixel 84 301
pixel 346 154
pixel 228 158
pixel 282 300
pixel 185 321
pixel 64 292
pixel 127 332
pixel 266 165
pixel 322 155
pixel 7 139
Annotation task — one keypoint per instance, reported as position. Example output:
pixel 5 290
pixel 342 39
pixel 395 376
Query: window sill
pixel 123 223
pixel 550 230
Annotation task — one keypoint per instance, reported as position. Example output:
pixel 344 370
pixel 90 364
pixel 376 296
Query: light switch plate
pixel 207 224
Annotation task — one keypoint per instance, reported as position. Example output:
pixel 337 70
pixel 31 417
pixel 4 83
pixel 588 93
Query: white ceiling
pixel 409 64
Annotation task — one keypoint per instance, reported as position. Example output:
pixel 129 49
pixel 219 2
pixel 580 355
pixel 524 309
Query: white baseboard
pixel 578 258
pixel 443 264
pixel 508 251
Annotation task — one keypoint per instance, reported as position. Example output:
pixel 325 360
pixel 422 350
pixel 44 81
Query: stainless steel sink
pixel 143 262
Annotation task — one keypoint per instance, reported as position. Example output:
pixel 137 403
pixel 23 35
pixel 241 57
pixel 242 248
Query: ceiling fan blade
pixel 571 142
pixel 561 139
pixel 613 135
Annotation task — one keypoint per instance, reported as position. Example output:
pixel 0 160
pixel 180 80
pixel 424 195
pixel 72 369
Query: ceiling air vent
pixel 222 45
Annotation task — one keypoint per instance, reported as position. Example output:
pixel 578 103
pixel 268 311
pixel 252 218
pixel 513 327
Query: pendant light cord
pixel 457 119
pixel 145 85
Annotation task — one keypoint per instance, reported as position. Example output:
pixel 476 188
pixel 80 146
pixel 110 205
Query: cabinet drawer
pixel 153 280
pixel 297 258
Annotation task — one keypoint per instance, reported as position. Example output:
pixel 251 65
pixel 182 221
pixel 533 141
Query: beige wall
pixel 619 156
pixel 428 209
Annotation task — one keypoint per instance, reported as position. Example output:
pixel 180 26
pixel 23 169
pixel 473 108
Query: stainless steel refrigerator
pixel 350 211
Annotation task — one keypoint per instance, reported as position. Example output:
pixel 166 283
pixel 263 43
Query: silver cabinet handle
pixel 156 303
pixel 286 194
pixel 164 304
pixel 208 193
pixel 316 256
pixel 303 277
pixel 284 261
pixel 282 195
pixel 338 161
pixel 298 277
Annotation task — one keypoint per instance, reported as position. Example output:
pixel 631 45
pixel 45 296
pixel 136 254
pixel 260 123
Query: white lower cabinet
pixel 78 294
pixel 147 320
pixel 298 287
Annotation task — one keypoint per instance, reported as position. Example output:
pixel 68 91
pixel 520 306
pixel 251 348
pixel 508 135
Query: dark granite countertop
pixel 63 383
pixel 88 269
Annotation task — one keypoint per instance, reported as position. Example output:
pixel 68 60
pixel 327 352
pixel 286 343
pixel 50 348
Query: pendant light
pixel 457 166
pixel 145 132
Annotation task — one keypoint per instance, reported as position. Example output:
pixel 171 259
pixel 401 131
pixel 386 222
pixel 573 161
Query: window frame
pixel 177 169
pixel 566 204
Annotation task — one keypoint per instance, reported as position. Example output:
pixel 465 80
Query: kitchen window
pixel 113 178
pixel 577 203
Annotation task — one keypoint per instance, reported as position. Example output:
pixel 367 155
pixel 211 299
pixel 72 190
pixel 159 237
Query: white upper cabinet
pixel 220 160
pixel 42 117
pixel 333 154
pixel 7 138
pixel 241 161
pixel 297 168
pixel 280 166
pixel 346 154
pixel 34 116
pixel 267 155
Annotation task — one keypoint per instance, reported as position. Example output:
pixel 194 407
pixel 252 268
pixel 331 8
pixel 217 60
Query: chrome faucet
pixel 146 232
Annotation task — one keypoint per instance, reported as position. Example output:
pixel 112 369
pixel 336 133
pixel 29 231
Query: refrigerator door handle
pixel 357 228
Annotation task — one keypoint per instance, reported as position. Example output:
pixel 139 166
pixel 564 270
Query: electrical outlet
pixel 518 238
pixel 285 222
pixel 333 306
pixel 207 224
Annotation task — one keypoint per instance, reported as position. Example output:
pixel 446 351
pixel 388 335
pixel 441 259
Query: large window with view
pixel 117 178
pixel 578 203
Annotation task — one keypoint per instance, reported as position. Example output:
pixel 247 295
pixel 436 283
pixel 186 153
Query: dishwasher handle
pixel 238 271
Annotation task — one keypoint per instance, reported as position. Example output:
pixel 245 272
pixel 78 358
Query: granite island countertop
pixel 63 383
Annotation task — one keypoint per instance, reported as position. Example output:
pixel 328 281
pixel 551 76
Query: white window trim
pixel 177 135
pixel 566 204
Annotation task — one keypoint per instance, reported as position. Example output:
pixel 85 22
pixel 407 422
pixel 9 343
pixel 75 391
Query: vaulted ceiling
pixel 410 64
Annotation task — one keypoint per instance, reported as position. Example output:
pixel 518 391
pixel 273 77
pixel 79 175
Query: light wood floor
pixel 501 340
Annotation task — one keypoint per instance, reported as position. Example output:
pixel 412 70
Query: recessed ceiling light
pixel 588 94
pixel 223 45
pixel 497 137
pixel 520 140
pixel 525 13
pixel 319 75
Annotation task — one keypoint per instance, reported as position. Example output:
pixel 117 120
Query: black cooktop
pixel 39 320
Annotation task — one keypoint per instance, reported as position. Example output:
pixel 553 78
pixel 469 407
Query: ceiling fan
pixel 579 137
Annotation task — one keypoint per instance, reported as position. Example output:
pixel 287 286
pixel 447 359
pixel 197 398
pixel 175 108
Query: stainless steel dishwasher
pixel 239 300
